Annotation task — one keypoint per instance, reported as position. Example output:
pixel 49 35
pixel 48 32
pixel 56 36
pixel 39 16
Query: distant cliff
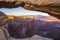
pixel 19 28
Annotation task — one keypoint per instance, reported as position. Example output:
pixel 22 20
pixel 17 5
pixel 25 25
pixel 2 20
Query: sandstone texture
pixel 52 7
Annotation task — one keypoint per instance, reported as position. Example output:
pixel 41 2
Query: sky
pixel 21 12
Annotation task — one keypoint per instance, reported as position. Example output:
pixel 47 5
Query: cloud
pixel 21 11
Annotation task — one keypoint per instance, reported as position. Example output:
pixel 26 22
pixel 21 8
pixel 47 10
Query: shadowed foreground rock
pixel 3 18
pixel 50 6
pixel 4 35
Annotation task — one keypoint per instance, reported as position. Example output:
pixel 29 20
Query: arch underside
pixel 51 10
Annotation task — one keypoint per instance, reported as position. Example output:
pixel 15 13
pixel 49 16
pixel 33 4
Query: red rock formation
pixel 50 6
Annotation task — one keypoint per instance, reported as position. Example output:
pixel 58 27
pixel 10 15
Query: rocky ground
pixel 35 37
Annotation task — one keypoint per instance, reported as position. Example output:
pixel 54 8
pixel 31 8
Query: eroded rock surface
pixel 50 6
pixel 3 26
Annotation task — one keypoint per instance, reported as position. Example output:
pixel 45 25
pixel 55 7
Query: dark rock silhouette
pixel 4 35
pixel 3 18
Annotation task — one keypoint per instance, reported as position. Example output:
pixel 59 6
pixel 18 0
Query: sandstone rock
pixel 3 26
pixel 51 10
pixel 37 2
pixel 3 18
pixel 50 6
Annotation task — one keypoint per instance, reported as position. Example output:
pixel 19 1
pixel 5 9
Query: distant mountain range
pixel 39 17
pixel 49 18
pixel 27 26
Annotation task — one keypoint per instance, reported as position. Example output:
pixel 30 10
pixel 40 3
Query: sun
pixel 11 17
